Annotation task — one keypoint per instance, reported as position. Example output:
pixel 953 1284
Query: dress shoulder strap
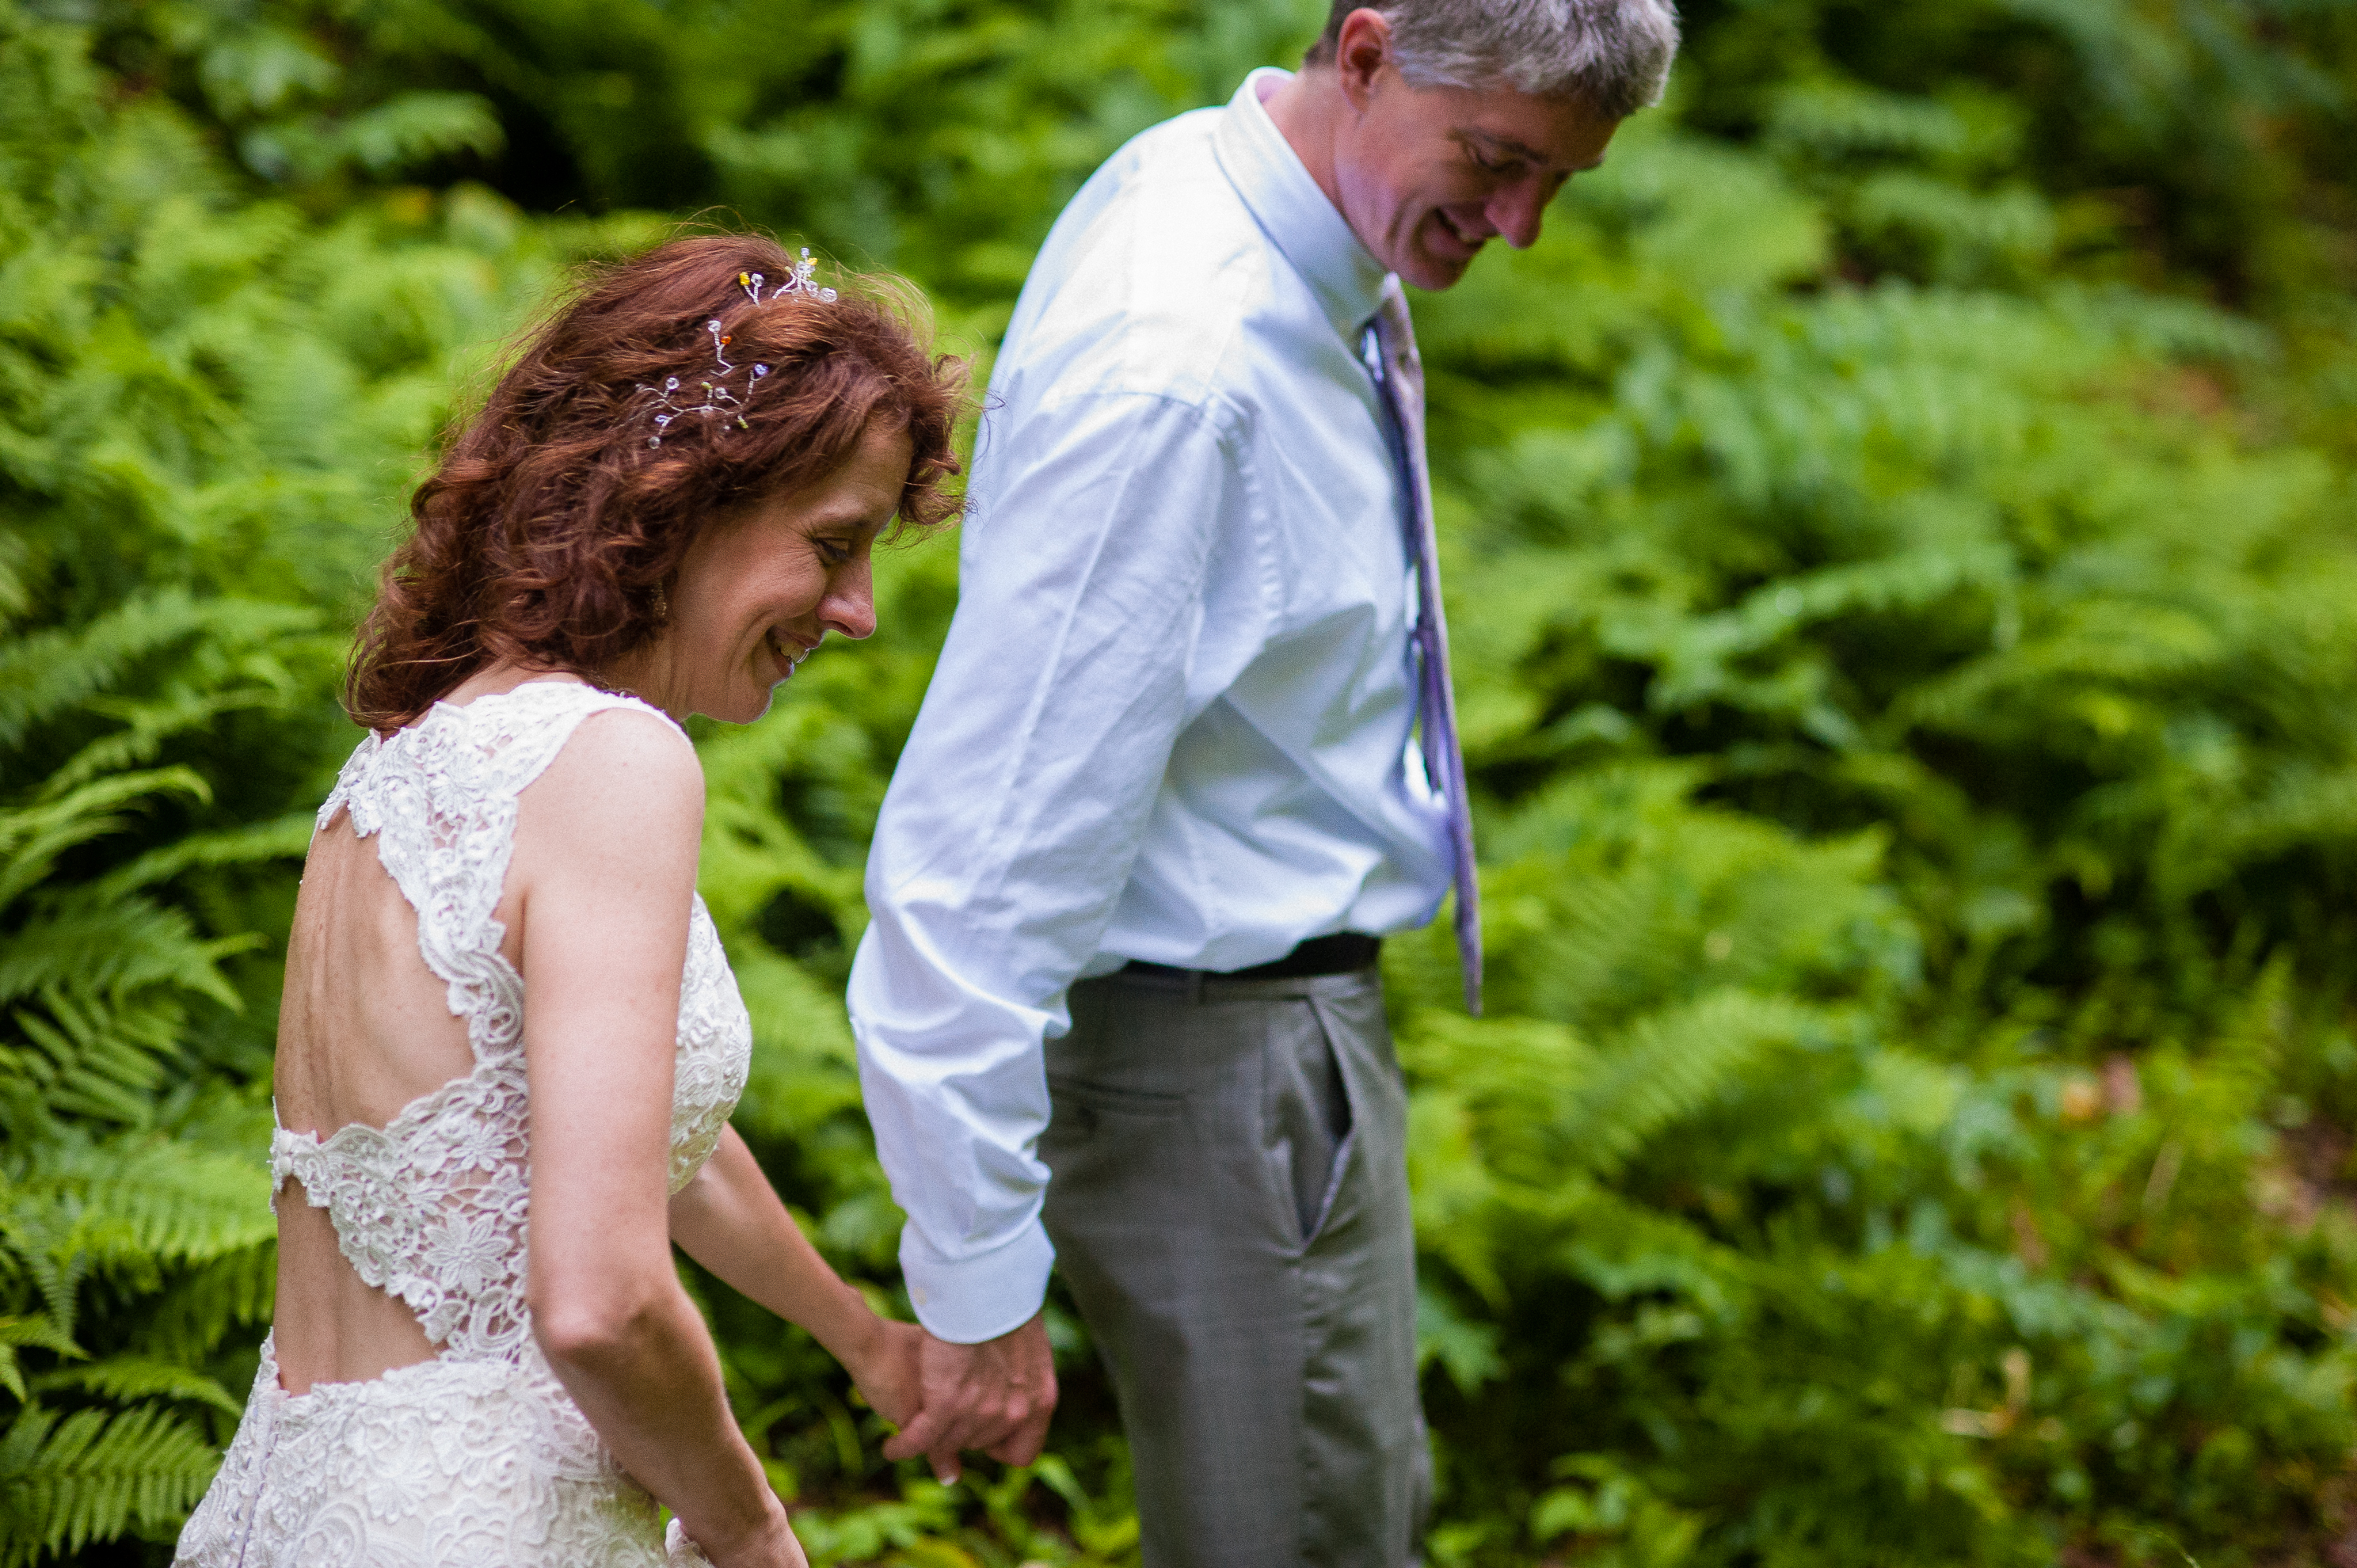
pixel 440 798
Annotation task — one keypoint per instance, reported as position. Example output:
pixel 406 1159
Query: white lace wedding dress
pixel 477 1458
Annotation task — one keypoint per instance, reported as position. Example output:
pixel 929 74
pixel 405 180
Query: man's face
pixel 1428 174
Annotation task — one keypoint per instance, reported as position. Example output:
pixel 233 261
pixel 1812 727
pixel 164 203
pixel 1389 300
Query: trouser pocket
pixel 1306 1116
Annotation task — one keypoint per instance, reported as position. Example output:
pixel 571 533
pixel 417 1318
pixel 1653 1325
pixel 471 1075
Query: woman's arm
pixel 730 1219
pixel 603 871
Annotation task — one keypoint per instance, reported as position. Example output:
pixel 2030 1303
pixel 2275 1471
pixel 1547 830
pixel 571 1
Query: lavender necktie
pixel 1390 350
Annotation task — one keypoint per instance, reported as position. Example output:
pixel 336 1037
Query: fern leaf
pixel 130 1378
pixel 93 1056
pixel 148 1197
pixel 32 837
pixel 1672 1064
pixel 16 1332
pixel 281 838
pixel 48 671
pixel 41 1238
pixel 122 945
pixel 93 1474
pixel 186 1205
pixel 146 725
pixel 187 1322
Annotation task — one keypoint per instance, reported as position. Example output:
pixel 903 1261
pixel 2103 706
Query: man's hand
pixel 993 1398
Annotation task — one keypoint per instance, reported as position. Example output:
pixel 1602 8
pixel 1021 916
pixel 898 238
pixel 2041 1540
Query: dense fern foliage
pixel 1901 558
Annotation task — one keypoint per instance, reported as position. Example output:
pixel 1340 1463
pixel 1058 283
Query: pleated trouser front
pixel 1229 1204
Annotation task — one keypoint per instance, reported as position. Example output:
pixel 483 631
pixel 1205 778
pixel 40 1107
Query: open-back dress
pixel 477 1457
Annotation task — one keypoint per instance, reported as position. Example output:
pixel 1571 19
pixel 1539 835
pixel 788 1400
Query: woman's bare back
pixel 364 1028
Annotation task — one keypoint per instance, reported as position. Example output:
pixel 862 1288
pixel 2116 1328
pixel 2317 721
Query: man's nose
pixel 1517 211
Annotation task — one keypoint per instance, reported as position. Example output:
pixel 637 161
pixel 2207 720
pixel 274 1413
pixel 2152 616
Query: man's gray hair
pixel 1611 54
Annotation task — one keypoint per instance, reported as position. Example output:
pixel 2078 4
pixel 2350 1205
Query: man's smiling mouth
pixel 1456 233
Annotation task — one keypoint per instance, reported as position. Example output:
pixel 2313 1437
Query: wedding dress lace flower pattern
pixel 478 1456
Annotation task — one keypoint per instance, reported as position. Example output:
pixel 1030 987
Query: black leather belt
pixel 1344 952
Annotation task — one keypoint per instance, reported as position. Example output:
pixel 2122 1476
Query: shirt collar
pixel 1306 228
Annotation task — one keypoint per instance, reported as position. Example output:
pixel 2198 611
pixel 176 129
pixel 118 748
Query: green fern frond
pixel 35 1331
pixel 143 1197
pixel 1530 1062
pixel 146 726
pixel 32 837
pixel 1467 1348
pixel 128 1208
pixel 90 1056
pixel 1546 1101
pixel 414 128
pixel 1453 1191
pixel 121 945
pixel 49 671
pixel 1671 1065
pixel 94 1474
pixel 1835 118
pixel 198 1307
pixel 1622 1246
pixel 15 597
pixel 186 1205
pixel 281 838
pixel 129 1377
pixel 39 1240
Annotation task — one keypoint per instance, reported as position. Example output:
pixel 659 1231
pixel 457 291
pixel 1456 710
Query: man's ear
pixel 1361 50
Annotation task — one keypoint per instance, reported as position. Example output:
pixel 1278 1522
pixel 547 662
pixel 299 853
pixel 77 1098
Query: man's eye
pixel 834 550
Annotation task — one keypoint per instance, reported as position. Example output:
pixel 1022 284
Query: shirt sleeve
pixel 1014 817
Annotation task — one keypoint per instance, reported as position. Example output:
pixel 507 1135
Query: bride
pixel 507 1016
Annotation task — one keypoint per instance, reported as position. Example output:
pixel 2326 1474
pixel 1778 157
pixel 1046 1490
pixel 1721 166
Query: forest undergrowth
pixel 1901 531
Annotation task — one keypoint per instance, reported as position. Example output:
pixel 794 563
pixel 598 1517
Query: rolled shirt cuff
pixel 968 1300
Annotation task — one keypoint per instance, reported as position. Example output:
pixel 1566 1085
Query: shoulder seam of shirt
pixel 1214 408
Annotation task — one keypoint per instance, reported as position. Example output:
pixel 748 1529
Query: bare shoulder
pixel 639 738
pixel 625 777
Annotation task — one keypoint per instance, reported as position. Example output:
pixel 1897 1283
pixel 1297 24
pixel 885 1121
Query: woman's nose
pixel 849 609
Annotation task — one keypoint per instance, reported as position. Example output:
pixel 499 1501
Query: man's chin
pixel 1433 273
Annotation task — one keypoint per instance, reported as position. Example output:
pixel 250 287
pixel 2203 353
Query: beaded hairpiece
pixel 718 398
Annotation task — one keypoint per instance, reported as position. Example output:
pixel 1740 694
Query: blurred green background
pixel 1902 540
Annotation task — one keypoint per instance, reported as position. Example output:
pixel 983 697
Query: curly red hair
pixel 545 535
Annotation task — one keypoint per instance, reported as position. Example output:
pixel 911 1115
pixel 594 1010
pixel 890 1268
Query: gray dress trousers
pixel 1229 1204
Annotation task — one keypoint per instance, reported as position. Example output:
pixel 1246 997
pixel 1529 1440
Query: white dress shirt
pixel 1172 721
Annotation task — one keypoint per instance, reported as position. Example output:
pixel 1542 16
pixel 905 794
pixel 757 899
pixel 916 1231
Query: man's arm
pixel 1009 833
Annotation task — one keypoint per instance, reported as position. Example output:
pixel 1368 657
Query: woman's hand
pixel 888 1373
pixel 773 1546
pixel 730 1219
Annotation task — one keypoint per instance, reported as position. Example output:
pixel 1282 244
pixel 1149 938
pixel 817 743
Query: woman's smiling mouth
pixel 788 652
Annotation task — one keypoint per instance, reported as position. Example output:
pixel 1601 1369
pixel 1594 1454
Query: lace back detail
pixel 434 1207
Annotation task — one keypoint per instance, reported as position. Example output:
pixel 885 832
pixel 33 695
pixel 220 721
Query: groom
pixel 1190 754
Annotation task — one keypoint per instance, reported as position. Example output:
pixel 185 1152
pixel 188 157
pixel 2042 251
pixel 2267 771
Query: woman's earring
pixel 661 607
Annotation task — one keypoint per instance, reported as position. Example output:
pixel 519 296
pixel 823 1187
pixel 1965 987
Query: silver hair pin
pixel 718 398
pixel 802 280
